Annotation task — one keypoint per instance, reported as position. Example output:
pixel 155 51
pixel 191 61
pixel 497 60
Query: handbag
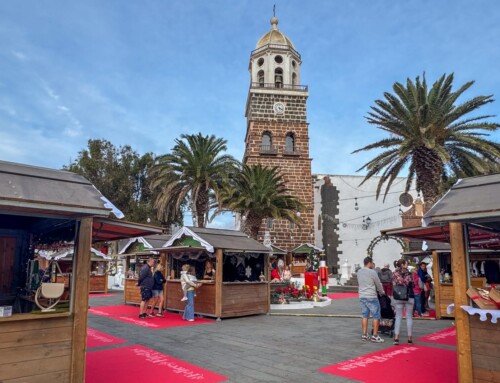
pixel 400 292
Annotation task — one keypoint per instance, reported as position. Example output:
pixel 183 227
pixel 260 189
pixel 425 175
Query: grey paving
pixel 262 348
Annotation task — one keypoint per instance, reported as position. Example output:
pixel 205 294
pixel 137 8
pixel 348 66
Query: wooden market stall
pixel 302 254
pixel 43 209
pixel 239 285
pixel 98 279
pixel 468 218
pixel 136 251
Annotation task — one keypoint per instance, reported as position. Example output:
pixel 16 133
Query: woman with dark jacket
pixel 159 281
pixel 402 277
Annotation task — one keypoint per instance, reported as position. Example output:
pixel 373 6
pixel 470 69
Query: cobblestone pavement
pixel 263 348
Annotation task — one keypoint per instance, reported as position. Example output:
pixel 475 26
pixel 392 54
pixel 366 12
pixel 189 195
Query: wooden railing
pixel 255 85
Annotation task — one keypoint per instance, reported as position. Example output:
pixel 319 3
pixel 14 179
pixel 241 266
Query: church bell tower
pixel 277 129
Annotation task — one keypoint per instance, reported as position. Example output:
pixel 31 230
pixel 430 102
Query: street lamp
pixel 366 223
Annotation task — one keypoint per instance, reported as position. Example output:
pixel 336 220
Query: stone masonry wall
pixel 261 107
pixel 296 170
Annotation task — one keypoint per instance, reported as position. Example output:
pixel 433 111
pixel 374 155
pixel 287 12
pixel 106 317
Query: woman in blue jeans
pixel 402 277
pixel 189 310
pixel 188 285
pixel 418 295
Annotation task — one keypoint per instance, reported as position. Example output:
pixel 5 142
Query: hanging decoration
pixel 363 225
pixel 356 206
pixel 379 238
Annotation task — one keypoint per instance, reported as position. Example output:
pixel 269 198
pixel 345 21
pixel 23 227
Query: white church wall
pixel 354 237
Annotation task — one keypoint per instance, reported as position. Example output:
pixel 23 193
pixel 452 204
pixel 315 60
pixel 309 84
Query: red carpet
pixel 447 336
pixel 98 339
pixel 114 310
pixel 168 320
pixel 343 295
pixel 399 363
pixel 101 295
pixel 141 364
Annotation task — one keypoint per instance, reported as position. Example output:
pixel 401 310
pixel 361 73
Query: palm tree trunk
pixel 429 169
pixel 201 208
pixel 252 226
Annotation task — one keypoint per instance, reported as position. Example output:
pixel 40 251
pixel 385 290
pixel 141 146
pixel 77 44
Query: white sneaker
pixel 376 339
pixel 184 299
pixel 190 320
pixel 426 314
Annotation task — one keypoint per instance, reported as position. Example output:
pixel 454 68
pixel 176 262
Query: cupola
pixel 275 63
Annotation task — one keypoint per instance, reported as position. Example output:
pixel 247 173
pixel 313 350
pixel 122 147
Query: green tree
pixel 191 175
pixel 257 193
pixel 120 174
pixel 430 135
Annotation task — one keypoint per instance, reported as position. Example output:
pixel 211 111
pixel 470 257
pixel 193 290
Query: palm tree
pixel 430 136
pixel 257 193
pixel 190 175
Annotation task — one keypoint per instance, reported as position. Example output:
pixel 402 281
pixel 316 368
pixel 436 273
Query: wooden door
pixel 7 260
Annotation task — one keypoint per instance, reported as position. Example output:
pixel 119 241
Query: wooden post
pixel 437 283
pixel 81 279
pixel 268 289
pixel 125 287
pixel 459 266
pixel 166 271
pixel 218 283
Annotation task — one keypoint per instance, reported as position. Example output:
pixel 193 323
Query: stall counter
pixel 238 298
pixel 132 292
pixel 204 303
pixel 98 283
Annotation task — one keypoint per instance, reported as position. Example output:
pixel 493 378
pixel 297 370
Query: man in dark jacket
pixel 146 282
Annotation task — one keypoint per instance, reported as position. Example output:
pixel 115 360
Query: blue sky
pixel 144 72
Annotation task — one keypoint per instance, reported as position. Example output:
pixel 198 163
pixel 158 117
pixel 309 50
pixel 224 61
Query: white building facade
pixel 348 217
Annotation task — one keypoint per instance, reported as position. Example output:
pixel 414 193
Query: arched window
pixel 267 141
pixel 289 143
pixel 260 78
pixel 294 79
pixel 278 78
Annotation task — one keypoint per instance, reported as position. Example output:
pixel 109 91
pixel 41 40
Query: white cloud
pixel 19 55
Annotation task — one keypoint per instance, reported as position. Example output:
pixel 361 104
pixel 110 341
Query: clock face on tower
pixel 279 108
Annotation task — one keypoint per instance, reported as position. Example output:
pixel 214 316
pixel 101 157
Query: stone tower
pixel 277 129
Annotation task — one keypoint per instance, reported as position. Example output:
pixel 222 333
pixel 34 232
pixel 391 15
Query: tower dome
pixel 275 62
pixel 274 36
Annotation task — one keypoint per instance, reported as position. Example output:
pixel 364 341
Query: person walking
pixel 417 291
pixel 402 277
pixel 159 281
pixel 369 285
pixel 188 285
pixel 425 284
pixel 146 282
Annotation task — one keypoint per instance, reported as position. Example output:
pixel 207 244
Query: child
pixel 188 279
pixel 287 274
